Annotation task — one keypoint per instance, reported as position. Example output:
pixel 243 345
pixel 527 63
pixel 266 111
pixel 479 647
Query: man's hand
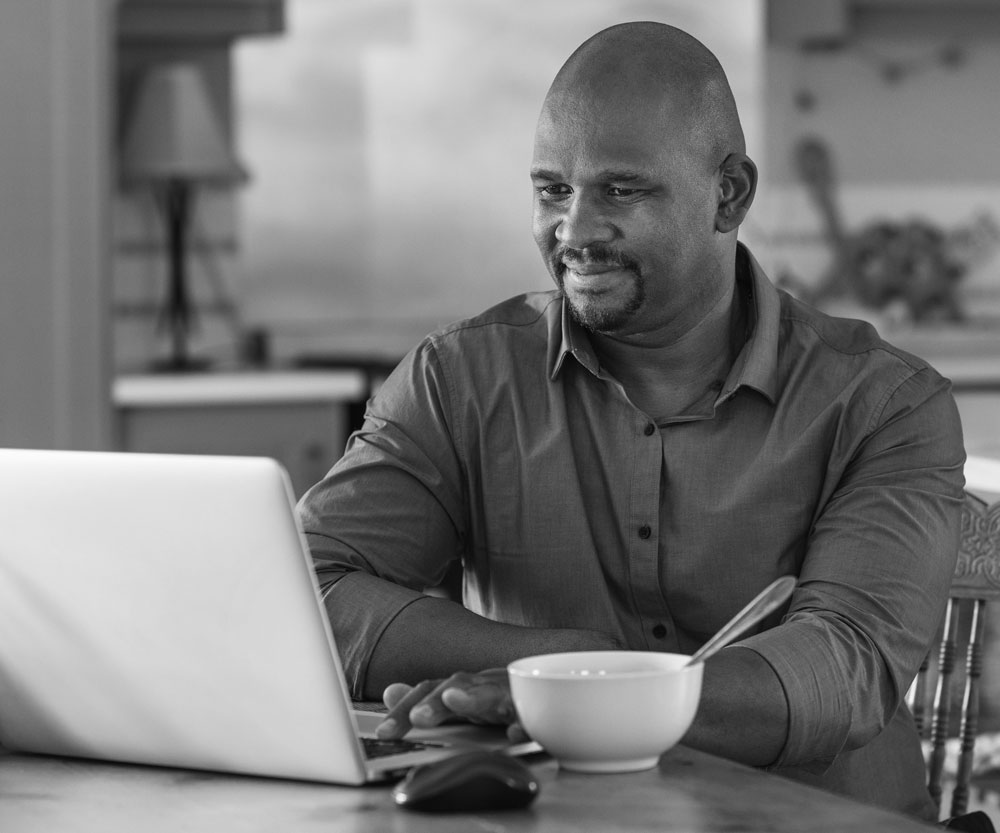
pixel 483 697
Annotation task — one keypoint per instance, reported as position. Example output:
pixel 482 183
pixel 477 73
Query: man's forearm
pixel 433 638
pixel 743 713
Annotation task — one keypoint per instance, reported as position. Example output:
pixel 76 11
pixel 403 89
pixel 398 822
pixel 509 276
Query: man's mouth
pixel 591 268
pixel 594 277
pixel 592 281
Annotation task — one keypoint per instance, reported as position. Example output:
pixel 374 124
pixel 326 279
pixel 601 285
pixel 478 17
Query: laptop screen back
pixel 162 609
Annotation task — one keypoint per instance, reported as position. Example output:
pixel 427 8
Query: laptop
pixel 162 609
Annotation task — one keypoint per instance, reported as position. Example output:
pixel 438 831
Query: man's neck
pixel 673 377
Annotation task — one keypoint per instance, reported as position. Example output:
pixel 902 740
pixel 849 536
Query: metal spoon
pixel 769 599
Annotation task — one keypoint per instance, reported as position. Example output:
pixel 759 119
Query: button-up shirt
pixel 826 453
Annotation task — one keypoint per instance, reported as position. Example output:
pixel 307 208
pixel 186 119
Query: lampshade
pixel 173 132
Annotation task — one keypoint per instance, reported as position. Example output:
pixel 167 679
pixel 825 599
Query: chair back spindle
pixel 941 711
pixel 970 704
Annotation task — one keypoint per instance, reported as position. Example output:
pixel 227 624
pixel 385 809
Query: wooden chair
pixel 975 584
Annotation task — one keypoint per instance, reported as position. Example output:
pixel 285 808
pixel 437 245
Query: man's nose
pixel 583 223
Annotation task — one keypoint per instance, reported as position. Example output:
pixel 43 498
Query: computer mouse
pixel 468 782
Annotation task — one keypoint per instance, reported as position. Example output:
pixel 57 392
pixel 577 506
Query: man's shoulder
pixel 854 340
pixel 530 315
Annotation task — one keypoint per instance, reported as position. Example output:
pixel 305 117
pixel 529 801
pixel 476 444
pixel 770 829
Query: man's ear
pixel 737 186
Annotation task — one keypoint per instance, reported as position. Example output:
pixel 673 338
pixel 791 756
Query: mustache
pixel 596 254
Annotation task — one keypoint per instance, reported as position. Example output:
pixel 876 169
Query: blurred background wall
pixel 55 158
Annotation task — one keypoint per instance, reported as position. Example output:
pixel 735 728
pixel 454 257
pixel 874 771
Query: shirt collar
pixel 756 365
pixel 574 342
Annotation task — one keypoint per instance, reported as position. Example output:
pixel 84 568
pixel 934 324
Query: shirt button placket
pixel 643 554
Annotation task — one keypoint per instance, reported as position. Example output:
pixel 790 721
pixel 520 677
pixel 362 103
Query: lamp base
pixel 186 364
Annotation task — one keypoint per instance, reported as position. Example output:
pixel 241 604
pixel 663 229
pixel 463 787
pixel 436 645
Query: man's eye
pixel 554 189
pixel 617 191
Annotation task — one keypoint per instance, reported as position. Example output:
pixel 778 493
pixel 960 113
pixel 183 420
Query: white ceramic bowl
pixel 606 711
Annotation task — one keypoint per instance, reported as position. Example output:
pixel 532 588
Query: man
pixel 625 462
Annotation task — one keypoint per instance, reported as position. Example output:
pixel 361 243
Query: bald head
pixel 656 71
pixel 641 182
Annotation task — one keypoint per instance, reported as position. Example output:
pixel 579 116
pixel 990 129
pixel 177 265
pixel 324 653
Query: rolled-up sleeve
pixel 386 521
pixel 875 578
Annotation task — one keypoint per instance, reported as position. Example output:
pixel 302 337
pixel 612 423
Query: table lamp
pixel 174 143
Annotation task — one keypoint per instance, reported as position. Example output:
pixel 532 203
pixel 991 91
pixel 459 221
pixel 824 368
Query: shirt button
pixel 649 429
pixel 645 532
pixel 659 631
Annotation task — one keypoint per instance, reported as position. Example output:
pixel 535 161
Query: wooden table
pixel 690 792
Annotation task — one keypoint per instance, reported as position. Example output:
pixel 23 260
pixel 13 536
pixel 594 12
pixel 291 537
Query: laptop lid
pixel 162 609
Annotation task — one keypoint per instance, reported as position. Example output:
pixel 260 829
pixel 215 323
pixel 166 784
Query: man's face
pixel 624 216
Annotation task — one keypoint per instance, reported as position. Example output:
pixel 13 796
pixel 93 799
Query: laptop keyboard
pixel 378 748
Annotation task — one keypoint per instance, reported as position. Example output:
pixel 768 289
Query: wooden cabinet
pixel 300 419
